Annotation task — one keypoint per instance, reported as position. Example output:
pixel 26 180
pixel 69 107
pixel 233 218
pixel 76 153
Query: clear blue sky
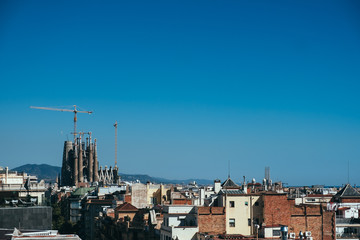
pixel 193 85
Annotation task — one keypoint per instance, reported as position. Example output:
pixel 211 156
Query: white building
pixel 180 223
pixel 346 204
pixel 14 187
pixel 314 199
pixel 45 235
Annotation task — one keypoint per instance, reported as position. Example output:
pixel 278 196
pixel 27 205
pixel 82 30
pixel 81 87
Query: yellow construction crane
pixel 75 111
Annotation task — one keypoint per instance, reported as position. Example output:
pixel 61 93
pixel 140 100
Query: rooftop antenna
pixel 348 180
pixel 229 169
pixel 115 125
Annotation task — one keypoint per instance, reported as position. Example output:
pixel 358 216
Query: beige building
pixel 157 194
pixel 243 211
pixel 149 195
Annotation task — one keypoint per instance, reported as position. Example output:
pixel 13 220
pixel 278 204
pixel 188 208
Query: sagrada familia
pixel 80 165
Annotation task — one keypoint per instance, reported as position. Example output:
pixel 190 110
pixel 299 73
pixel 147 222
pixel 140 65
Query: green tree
pixel 58 219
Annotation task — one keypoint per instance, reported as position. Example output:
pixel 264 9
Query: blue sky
pixel 192 84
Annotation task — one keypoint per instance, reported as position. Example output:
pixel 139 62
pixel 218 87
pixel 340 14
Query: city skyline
pixel 192 85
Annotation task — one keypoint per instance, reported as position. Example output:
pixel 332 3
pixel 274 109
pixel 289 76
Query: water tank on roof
pixel 284 232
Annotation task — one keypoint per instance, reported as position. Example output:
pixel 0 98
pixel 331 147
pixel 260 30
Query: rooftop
pixel 347 191
pixel 126 207
pixel 232 191
pixel 82 191
pixel 229 184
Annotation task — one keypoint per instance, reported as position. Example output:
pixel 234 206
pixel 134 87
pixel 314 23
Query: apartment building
pixel 180 222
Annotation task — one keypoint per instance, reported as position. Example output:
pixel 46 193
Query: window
pixel 256 203
pixel 182 222
pixel 76 205
pixel 232 222
pixel 246 203
pixel 249 221
pixel 276 233
pixel 232 204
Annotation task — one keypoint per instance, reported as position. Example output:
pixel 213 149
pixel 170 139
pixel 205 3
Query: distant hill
pixel 49 173
pixel 146 178
pixel 42 171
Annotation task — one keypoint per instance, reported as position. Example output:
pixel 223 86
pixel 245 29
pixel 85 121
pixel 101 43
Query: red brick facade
pixel 279 210
pixel 128 198
pixel 350 200
pixel 212 220
pixel 182 201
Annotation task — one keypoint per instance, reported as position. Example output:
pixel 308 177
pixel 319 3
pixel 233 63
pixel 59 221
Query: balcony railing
pixel 348 235
pixel 347 221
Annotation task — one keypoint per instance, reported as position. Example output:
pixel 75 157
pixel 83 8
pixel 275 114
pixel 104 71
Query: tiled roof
pixel 126 207
pixel 229 184
pixel 231 191
pixel 347 191
pixel 82 191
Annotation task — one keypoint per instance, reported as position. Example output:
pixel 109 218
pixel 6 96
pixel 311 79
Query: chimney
pixel 245 185
pixel 6 175
pixel 217 186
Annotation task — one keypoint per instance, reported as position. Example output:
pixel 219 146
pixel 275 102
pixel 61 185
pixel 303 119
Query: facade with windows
pixel 74 203
pixel 346 204
pixel 180 222
pixel 243 211
pixel 149 195
pixel 15 188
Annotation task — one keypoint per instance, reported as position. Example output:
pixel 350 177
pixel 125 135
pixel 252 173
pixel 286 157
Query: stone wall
pixel 26 218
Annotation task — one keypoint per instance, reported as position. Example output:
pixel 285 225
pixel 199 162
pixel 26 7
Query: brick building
pixel 279 210
pixel 212 220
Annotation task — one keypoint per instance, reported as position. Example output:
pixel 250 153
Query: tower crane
pixel 75 111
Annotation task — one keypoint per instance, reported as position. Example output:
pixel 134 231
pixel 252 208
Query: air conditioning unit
pixel 308 234
pixel 292 235
pixel 309 238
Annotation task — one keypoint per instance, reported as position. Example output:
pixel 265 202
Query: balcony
pixel 348 236
pixel 347 228
pixel 347 221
